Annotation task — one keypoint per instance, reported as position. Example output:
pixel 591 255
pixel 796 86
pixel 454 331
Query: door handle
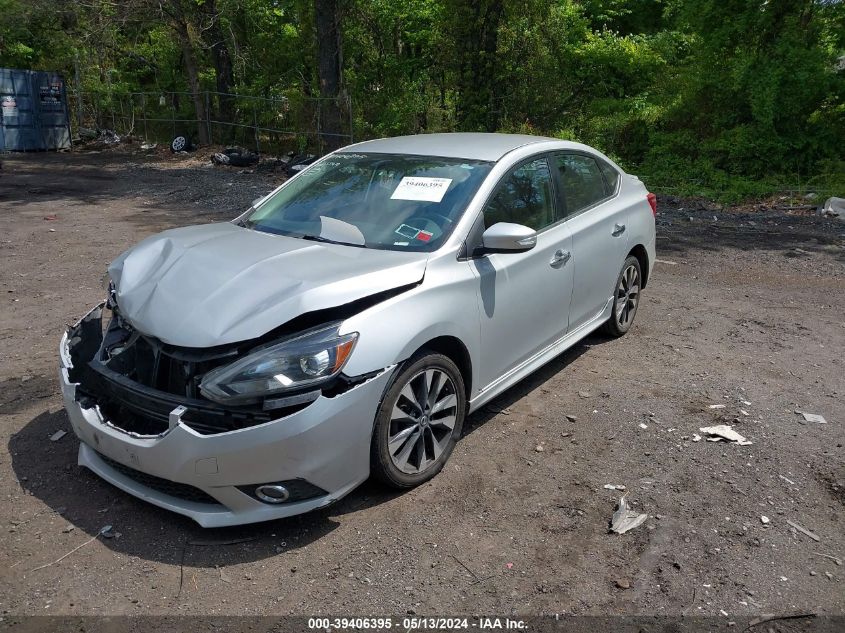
pixel 618 229
pixel 560 258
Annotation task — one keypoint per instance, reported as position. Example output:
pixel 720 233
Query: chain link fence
pixel 292 122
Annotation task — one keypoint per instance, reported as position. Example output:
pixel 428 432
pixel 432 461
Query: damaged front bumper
pixel 319 453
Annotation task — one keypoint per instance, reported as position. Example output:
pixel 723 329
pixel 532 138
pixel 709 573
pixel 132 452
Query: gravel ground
pixel 744 310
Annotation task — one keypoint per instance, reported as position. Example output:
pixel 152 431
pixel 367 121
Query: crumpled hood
pixel 213 284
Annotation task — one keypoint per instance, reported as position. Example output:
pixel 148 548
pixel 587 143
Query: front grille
pixel 139 409
pixel 164 486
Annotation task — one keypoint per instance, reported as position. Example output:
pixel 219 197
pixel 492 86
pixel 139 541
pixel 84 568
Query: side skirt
pixel 539 359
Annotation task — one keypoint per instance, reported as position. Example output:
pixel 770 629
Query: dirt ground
pixel 743 310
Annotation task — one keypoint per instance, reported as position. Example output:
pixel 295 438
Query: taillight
pixel 652 200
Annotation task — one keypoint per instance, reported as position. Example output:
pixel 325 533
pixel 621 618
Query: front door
pixel 524 297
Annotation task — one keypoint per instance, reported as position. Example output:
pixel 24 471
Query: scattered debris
pixel 584 394
pixel 148 146
pixel 623 583
pixel 835 559
pixel 102 532
pixel 665 261
pixel 494 409
pixel 509 565
pixel 803 530
pixel 107 531
pixel 55 437
pixel 771 618
pixel 787 480
pixel 614 487
pixel 834 208
pixel 811 417
pixel 571 418
pixel 625 519
pixel 462 564
pixel 724 432
pixel 643 425
pixel 765 520
pixel 717 406
pixel 68 528
pixel 539 448
pixel 235 157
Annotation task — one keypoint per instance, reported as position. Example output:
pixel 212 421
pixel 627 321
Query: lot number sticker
pixel 419 188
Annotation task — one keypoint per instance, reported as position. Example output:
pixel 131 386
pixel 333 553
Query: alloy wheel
pixel 422 421
pixel 627 296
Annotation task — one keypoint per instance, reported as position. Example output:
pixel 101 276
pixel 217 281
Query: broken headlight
pixel 312 358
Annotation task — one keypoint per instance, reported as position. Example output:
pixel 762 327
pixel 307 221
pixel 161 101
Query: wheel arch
pixel 454 349
pixel 641 254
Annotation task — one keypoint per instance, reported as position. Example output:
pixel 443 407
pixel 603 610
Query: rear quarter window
pixel 611 176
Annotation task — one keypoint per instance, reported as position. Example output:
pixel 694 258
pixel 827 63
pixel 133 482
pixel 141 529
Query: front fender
pixel 444 304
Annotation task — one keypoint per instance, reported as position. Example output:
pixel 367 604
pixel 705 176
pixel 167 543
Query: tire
pixel 626 298
pixel 411 443
pixel 180 143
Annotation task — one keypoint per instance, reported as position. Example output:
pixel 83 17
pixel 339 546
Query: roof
pixel 468 145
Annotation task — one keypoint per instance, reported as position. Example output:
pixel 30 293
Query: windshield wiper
pixel 320 238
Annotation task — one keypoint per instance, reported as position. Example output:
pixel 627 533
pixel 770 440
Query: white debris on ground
pixel 625 519
pixel 812 417
pixel 724 432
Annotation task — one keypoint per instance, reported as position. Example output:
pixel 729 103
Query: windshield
pixel 388 201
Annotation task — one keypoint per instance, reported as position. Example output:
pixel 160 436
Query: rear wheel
pixel 418 422
pixel 626 298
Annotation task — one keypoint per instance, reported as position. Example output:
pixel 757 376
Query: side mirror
pixel 505 237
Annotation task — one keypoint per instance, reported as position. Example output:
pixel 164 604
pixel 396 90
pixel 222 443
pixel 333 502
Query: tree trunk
pixel 222 66
pixel 180 25
pixel 329 64
pixel 475 32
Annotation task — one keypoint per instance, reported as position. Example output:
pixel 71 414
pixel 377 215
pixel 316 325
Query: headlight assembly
pixel 310 359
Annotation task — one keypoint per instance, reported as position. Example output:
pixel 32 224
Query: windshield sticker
pixel 412 234
pixel 407 231
pixel 423 189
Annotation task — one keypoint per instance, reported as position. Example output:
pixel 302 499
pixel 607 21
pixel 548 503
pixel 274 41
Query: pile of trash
pixel 235 157
pixel 834 208
pixel 98 137
pixel 289 163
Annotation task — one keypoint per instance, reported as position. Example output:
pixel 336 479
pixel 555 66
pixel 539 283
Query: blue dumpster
pixel 33 111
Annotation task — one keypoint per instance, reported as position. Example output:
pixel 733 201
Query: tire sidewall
pixel 381 464
pixel 613 326
pixel 185 147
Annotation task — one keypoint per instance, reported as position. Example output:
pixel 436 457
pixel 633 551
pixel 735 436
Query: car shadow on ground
pixel 528 384
pixel 47 470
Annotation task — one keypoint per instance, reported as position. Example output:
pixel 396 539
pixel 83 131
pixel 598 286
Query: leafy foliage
pixel 732 98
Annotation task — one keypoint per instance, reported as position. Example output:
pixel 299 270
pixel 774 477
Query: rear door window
pixel 581 182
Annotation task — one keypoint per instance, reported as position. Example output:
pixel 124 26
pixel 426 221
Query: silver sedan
pixel 347 323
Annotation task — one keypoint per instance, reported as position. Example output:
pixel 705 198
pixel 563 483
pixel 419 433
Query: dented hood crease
pixel 214 284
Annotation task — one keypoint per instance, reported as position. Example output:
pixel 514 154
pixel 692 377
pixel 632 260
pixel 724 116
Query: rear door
pixel 524 297
pixel 596 219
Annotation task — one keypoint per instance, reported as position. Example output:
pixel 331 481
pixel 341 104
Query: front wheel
pixel 418 422
pixel 626 298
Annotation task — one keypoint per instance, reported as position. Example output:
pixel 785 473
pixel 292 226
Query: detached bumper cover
pixel 326 444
